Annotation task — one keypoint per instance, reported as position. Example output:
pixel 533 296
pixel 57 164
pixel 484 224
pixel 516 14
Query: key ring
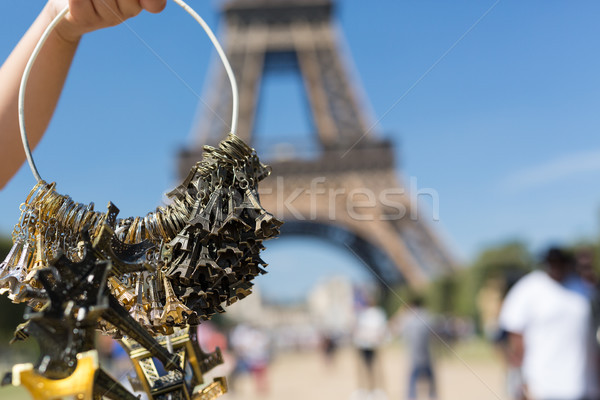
pixel 211 209
pixel 52 26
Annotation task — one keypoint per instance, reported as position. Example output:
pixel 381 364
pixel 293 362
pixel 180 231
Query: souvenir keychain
pixel 147 281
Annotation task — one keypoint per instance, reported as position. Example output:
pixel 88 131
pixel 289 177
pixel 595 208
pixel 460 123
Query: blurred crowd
pixel 543 324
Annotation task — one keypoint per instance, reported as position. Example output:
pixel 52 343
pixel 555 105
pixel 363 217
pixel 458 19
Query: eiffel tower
pixel 349 192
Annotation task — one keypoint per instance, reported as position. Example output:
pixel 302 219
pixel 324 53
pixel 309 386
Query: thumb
pixel 153 6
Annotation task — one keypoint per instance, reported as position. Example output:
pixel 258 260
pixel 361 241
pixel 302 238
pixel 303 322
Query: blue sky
pixel 498 114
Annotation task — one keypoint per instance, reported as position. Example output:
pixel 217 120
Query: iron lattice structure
pixel 391 237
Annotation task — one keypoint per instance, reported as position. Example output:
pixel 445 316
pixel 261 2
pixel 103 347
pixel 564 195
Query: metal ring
pixel 52 26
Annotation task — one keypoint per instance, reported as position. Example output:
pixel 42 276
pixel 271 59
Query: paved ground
pixel 473 372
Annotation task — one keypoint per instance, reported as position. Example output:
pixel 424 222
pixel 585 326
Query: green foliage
pixel 444 296
pixel 397 298
pixel 456 294
pixel 588 246
pixel 507 261
pixel 10 314
pixel 5 245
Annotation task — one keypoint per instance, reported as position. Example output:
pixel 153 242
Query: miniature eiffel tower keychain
pixel 144 280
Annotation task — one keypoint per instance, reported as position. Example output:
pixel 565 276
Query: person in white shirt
pixel 550 334
pixel 369 333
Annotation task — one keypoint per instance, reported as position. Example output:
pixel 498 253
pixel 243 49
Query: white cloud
pixel 559 169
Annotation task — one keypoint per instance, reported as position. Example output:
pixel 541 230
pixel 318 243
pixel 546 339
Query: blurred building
pixel 290 325
pixel 328 311
pixel 331 306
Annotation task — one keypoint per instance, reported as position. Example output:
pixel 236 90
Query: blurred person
pixel 329 346
pixel 113 356
pixel 584 280
pixel 417 327
pixel 252 349
pixel 581 277
pixel 331 339
pixel 489 302
pixel 584 266
pixel 105 346
pixel 550 337
pixel 370 331
pixel 52 66
pixel 209 339
pixel 514 379
pixel 115 360
pixel 238 344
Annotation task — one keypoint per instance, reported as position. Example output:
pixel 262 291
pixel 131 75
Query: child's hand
pixel 89 15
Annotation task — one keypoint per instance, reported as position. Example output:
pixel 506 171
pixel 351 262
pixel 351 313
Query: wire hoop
pixel 52 26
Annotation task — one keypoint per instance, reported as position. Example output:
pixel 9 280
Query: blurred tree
pixel 493 273
pixel 508 261
pixel 397 298
pixel 458 294
pixel 10 314
pixel 586 245
pixel 444 295
pixel 5 245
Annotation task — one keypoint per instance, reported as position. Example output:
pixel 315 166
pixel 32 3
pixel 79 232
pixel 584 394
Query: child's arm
pixel 51 68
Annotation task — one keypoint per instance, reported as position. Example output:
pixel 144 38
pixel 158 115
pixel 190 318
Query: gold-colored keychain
pixel 147 281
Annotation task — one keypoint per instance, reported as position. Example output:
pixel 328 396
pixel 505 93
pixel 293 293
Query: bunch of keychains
pixel 148 281
pixel 183 260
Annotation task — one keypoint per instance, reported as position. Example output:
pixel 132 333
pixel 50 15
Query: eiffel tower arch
pixel 349 192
